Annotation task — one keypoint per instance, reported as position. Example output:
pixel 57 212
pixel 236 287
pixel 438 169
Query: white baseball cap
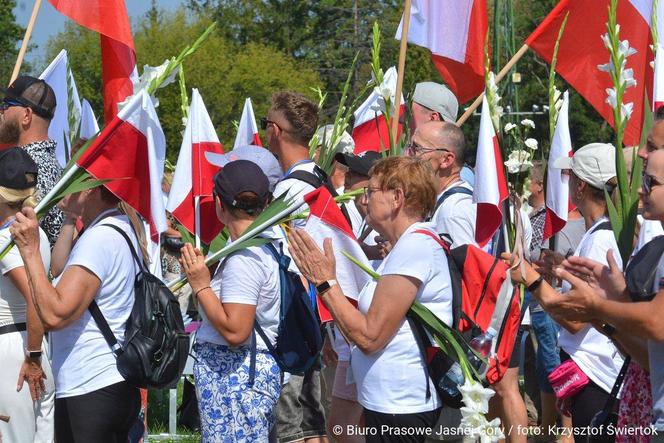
pixel 256 154
pixel 438 98
pixel 595 164
pixel 345 144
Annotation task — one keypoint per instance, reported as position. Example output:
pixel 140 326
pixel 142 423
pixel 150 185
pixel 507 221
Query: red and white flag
pixel 247 131
pixel 118 56
pixel 89 126
pixel 326 221
pixel 60 79
pixel 192 181
pixel 658 88
pixel 557 188
pixel 490 190
pixel 454 31
pixel 131 151
pixel 371 131
pixel 582 50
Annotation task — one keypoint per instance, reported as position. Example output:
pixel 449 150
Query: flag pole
pixel 503 72
pixel 197 221
pixel 26 40
pixel 402 65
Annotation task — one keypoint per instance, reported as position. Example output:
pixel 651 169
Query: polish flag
pixel 60 79
pixel 557 188
pixel 371 131
pixel 582 50
pixel 658 89
pixel 326 221
pixel 490 190
pixel 192 183
pixel 131 151
pixel 247 131
pixel 454 31
pixel 108 18
pixel 89 126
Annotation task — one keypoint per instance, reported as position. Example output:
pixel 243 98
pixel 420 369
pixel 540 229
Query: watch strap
pixel 325 286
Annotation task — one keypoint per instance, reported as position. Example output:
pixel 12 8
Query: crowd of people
pixel 592 326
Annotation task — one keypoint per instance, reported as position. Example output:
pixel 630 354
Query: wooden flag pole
pixel 503 72
pixel 26 40
pixel 402 65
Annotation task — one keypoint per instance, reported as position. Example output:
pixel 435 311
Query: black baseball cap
pixel 17 169
pixel 33 93
pixel 241 176
pixel 359 163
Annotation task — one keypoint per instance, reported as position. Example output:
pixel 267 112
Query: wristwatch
pixel 608 330
pixel 325 286
pixel 33 354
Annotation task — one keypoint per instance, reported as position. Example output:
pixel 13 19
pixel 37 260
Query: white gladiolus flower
pixel 626 110
pixel 529 123
pixel 611 97
pixel 518 161
pixel 531 143
pixel 606 40
pixel 607 67
pixel 475 396
pixel 627 78
pixel 625 50
pixel 509 127
pixel 151 73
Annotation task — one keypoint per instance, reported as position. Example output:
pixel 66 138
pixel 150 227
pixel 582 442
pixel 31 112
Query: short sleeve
pixel 457 221
pixel 13 258
pixel 242 277
pixel 412 256
pixel 96 252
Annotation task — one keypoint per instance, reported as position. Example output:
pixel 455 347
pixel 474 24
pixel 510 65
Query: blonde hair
pixel 18 198
pixel 414 176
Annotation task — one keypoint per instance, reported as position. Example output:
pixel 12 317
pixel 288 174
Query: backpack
pixel 317 179
pixel 299 339
pixel 642 268
pixel 156 347
pixel 483 296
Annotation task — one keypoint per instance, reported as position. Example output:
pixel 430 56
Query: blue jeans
pixel 546 332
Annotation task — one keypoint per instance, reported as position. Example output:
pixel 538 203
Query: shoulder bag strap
pixel 611 401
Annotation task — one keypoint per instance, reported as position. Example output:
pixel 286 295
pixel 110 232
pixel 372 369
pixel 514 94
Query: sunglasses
pixel 648 181
pixel 8 103
pixel 265 122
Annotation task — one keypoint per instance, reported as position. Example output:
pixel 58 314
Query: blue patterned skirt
pixel 231 410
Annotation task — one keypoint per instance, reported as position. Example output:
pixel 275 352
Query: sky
pixel 50 22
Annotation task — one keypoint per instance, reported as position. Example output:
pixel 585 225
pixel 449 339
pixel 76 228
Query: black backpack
pixel 155 347
pixel 641 270
pixel 299 339
pixel 317 179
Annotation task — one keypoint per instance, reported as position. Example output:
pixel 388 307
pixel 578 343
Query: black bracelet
pixel 536 284
pixel 196 293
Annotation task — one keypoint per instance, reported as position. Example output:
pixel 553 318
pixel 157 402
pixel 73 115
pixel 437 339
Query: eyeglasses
pixel 8 103
pixel 265 122
pixel 648 181
pixel 414 150
pixel 369 190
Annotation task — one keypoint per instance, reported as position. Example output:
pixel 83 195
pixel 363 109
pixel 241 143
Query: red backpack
pixel 482 296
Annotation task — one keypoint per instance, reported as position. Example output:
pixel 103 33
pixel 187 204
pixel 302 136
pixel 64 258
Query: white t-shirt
pixel 456 216
pixel 249 276
pixel 293 187
pixel 595 353
pixel 82 359
pixel 12 303
pixel 392 380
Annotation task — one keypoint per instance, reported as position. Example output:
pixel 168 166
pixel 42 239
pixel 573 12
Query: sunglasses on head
pixel 265 122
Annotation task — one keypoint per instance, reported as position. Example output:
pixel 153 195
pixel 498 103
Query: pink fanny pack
pixel 567 380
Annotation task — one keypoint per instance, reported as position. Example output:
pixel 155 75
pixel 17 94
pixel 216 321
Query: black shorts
pixel 101 416
pixel 399 428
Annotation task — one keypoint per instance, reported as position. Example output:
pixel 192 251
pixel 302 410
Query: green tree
pixel 10 36
pixel 224 72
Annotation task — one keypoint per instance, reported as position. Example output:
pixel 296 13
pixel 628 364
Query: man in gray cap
pixel 432 102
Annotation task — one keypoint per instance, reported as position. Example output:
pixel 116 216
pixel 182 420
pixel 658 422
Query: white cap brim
pixel 217 159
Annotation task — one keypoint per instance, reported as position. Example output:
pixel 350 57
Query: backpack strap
pixel 420 336
pixel 317 179
pixel 96 313
pixel 604 226
pixel 456 277
pixel 448 193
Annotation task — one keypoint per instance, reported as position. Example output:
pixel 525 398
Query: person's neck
pixel 98 209
pixel 446 179
pixel 592 213
pixel 574 215
pixel 237 227
pixel 538 203
pixel 290 154
pixel 6 213
pixel 32 137
pixel 396 229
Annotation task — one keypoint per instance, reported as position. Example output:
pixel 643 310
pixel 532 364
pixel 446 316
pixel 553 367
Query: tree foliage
pixel 10 36
pixel 224 72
